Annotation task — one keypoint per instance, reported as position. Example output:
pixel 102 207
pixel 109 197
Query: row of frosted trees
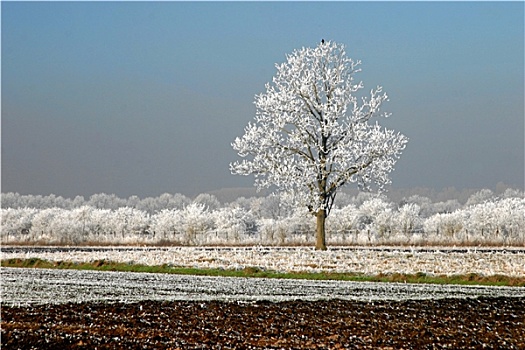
pixel 362 219
pixel 442 202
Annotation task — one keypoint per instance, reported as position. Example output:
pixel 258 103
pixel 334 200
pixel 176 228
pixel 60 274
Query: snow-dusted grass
pixel 30 286
pixel 370 261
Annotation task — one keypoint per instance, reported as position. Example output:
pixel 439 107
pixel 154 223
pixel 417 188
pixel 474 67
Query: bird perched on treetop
pixel 322 41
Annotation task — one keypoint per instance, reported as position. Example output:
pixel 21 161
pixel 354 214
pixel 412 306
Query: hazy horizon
pixel 138 98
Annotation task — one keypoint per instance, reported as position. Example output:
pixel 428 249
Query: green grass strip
pixel 103 265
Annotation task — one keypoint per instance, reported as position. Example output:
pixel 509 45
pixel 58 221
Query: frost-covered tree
pixel 272 207
pixel 479 197
pixel 242 202
pixel 377 215
pixel 313 133
pixel 408 218
pixel 446 226
pixel 10 200
pixel 130 221
pixel 195 221
pixel 345 220
pixel 169 201
pixel 208 200
pixel 106 201
pixel 512 193
pixel 16 221
pixel 424 203
pixel 233 222
pixel 446 207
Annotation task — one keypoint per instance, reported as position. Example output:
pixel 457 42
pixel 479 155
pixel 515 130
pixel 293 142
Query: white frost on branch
pixel 312 133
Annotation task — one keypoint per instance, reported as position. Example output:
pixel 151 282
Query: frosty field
pixel 44 286
pixel 59 308
pixel 379 260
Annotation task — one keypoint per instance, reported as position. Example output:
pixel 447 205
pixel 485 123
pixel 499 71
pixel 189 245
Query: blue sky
pixel 145 98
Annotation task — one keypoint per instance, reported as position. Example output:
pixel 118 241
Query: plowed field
pixel 471 323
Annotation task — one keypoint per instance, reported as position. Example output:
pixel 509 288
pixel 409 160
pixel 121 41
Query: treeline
pixel 447 200
pixel 364 218
pixel 99 201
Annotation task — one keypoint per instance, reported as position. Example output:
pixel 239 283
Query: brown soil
pixel 494 323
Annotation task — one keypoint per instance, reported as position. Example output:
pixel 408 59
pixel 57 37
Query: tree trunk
pixel 320 233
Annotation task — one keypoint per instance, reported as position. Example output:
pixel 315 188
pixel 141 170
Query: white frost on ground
pixel 439 261
pixel 41 286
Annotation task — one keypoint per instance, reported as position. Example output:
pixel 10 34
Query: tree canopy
pixel 313 133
